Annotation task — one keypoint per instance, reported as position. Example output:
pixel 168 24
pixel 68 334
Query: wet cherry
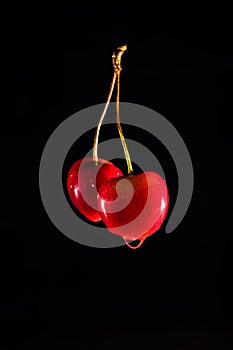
pixel 134 206
pixel 83 182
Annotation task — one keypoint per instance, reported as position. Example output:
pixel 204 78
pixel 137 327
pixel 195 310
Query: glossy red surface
pixel 83 181
pixel 134 206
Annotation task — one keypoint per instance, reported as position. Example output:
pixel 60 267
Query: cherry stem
pixel 116 61
pixel 96 138
pixel 126 152
pixel 134 247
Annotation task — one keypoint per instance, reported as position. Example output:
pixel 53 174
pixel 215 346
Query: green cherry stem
pixel 126 152
pixel 116 61
pixel 96 138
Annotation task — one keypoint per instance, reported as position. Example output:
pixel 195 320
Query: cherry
pixel 134 206
pixel 83 182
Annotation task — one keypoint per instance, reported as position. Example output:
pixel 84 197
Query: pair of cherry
pixel 133 206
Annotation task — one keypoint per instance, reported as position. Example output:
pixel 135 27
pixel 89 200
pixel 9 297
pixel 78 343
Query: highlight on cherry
pixel 132 205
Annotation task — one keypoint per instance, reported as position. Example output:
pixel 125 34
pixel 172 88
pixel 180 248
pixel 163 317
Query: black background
pixel 176 290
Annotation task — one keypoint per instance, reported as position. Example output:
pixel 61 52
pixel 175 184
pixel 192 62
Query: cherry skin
pixel 134 206
pixel 83 182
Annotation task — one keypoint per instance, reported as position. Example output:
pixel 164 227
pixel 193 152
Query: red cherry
pixel 83 182
pixel 134 206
